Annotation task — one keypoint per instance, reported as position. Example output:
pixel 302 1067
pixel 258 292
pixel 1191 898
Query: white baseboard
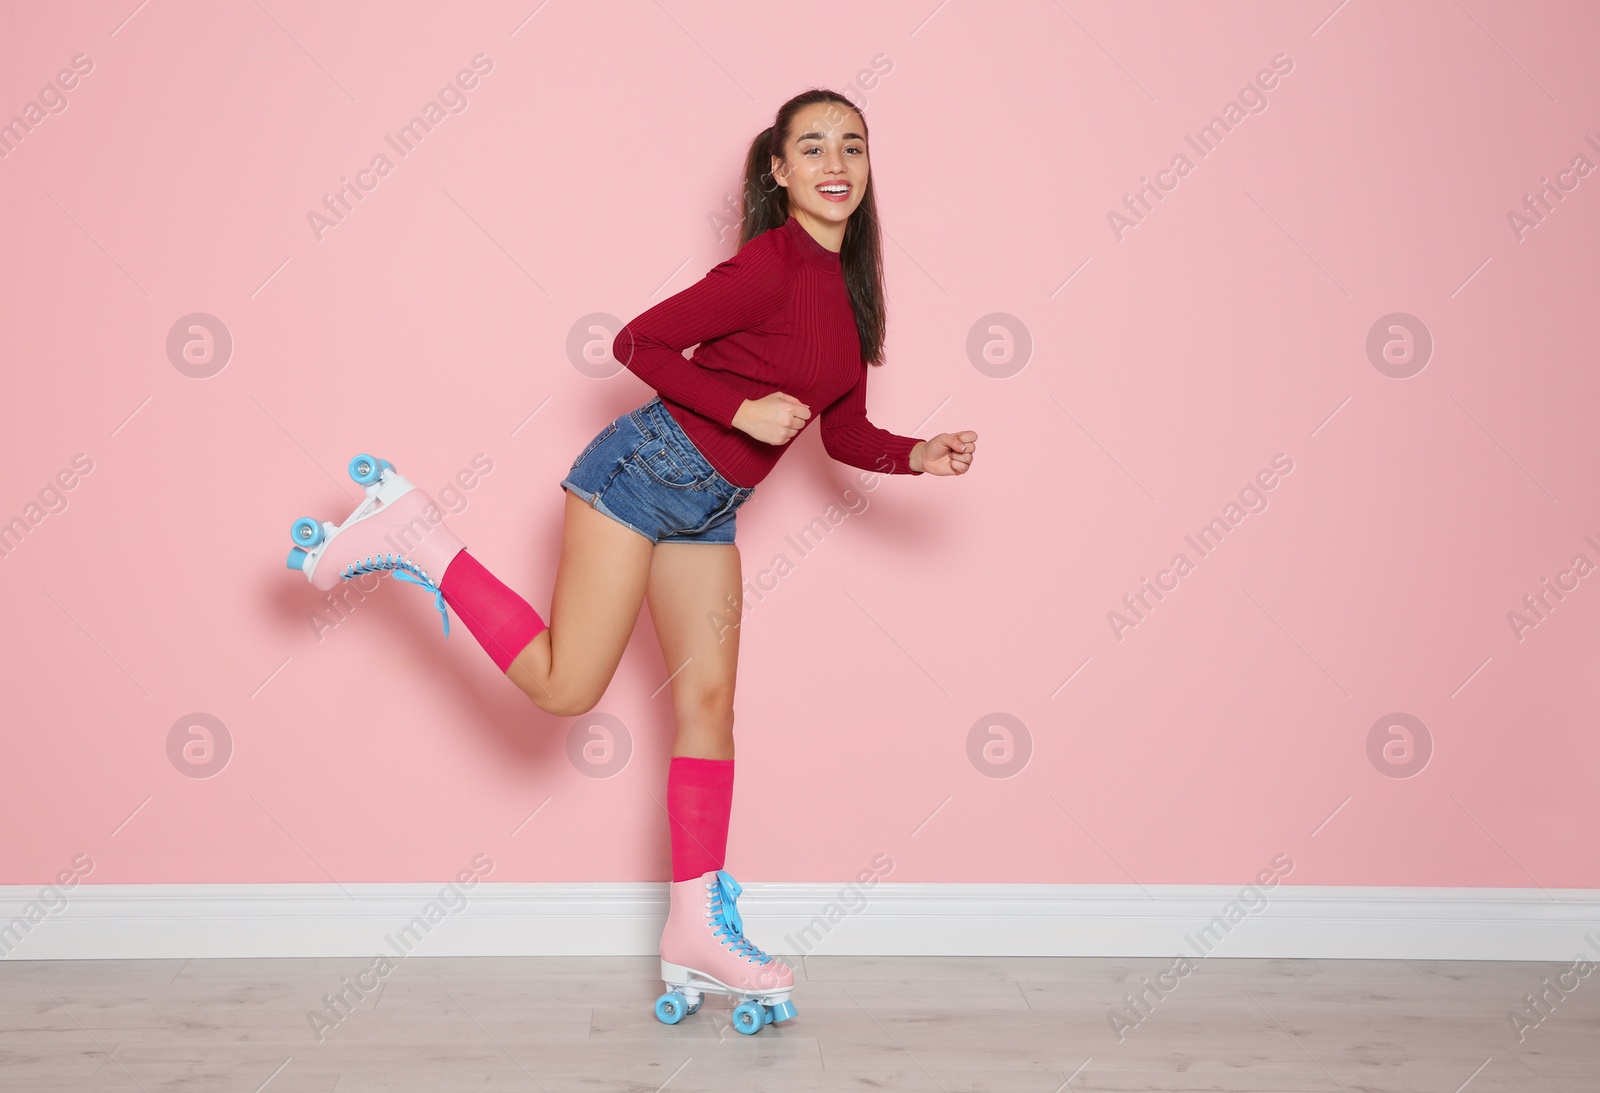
pixel 142 921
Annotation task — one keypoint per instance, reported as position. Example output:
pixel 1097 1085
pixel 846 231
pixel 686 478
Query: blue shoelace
pixel 404 570
pixel 730 926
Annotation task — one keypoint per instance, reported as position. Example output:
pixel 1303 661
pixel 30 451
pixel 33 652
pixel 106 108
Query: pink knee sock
pixel 502 621
pixel 699 798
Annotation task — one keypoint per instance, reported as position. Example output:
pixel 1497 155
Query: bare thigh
pixel 694 595
pixel 600 583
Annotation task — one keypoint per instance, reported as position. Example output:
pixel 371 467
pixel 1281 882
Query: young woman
pixel 789 323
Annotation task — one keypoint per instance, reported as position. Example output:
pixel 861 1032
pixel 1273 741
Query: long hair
pixel 766 206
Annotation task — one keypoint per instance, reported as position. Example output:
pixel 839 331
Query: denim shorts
pixel 644 472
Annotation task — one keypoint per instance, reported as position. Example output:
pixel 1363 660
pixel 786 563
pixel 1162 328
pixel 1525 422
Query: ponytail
pixel 766 204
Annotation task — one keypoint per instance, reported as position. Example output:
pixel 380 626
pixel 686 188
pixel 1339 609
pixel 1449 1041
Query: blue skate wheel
pixel 748 1017
pixel 766 1014
pixel 306 533
pixel 671 1008
pixel 386 464
pixel 296 559
pixel 365 470
pixel 781 1011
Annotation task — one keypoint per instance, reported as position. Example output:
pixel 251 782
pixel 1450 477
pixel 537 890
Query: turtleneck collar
pixel 817 254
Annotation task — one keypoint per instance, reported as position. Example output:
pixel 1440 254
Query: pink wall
pixel 1167 365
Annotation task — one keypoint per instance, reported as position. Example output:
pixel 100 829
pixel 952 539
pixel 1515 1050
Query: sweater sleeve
pixel 737 294
pixel 850 438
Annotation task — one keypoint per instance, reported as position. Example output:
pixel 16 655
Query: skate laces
pixel 403 569
pixel 730 926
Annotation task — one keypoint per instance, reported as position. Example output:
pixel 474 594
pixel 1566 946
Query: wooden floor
pixel 905 1023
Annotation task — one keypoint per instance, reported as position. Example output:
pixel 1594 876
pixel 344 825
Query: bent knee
pixel 565 709
pixel 564 704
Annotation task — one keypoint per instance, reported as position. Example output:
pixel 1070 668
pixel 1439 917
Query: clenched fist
pixel 947 453
pixel 774 419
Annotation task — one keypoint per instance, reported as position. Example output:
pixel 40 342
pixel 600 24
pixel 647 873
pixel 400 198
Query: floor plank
pixel 953 1025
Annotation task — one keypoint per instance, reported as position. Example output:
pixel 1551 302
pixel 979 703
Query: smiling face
pixel 826 172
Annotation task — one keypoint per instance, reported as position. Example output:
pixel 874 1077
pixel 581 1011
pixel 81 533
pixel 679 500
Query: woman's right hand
pixel 774 419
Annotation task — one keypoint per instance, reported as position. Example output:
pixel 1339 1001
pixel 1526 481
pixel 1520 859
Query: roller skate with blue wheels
pixel 396 529
pixel 704 951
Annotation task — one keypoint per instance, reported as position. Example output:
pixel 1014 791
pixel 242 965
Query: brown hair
pixel 766 206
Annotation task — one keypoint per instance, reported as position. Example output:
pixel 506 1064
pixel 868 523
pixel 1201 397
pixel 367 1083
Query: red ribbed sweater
pixel 774 317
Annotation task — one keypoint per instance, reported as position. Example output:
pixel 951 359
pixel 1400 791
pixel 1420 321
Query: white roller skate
pixel 704 951
pixel 396 529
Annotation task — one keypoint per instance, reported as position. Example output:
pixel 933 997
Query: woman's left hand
pixel 947 453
